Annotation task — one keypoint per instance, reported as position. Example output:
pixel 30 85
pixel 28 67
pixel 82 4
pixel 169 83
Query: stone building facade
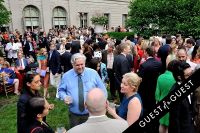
pixel 46 14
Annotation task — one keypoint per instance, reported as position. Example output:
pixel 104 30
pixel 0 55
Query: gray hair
pixel 111 44
pixel 77 56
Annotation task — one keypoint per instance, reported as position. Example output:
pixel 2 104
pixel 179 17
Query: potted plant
pixel 99 21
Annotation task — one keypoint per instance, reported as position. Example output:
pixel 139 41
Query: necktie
pixel 80 94
pixel 20 63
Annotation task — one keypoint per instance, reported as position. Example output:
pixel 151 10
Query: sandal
pixel 17 93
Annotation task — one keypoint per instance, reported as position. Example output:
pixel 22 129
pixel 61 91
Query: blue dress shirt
pixel 69 87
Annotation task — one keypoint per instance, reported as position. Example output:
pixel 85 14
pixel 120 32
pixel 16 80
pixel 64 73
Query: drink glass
pixel 69 99
pixel 112 105
pixel 60 130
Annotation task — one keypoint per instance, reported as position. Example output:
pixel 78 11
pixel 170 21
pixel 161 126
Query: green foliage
pixel 101 20
pixel 8 110
pixel 8 117
pixel 4 14
pixel 120 35
pixel 165 16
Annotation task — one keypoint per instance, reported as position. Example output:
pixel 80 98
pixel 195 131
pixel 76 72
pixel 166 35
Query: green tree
pixel 165 16
pixel 4 14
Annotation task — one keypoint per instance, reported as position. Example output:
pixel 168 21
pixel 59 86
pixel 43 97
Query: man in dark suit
pixel 54 65
pixel 28 49
pixel 149 72
pixel 163 52
pixel 66 58
pixel 121 66
pixel 108 58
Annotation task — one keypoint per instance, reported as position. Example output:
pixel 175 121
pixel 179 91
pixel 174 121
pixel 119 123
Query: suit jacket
pixel 101 124
pixel 149 72
pixel 27 47
pixel 121 66
pixel 66 61
pixel 54 62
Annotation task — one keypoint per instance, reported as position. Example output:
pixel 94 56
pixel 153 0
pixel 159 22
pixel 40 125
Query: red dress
pixel 138 57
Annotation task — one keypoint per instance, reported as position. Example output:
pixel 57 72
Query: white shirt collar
pixel 97 116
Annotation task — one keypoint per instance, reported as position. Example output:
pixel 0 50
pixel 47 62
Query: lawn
pixel 8 109
pixel 56 117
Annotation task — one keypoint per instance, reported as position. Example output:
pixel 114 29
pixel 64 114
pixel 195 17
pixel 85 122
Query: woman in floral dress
pixel 43 70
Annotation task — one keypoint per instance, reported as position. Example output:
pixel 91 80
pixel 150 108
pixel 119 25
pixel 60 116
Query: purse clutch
pixel 41 72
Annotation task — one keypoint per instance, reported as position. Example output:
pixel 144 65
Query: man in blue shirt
pixel 70 89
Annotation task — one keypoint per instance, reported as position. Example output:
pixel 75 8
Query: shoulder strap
pixel 32 131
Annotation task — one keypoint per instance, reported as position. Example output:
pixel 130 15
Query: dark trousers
pixel 77 119
pixel 112 83
pixel 118 87
pixel 11 60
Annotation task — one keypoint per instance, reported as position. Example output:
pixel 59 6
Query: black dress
pixel 180 117
pixel 22 110
pixel 38 127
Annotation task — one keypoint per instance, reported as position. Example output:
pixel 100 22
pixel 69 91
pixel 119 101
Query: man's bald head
pixel 182 55
pixel 96 102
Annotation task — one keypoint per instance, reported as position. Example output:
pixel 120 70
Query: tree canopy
pixel 165 16
pixel 4 14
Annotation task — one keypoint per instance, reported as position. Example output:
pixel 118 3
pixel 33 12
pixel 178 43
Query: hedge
pixel 120 35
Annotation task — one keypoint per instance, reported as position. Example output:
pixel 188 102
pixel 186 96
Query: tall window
pixel 83 19
pixel 108 16
pixel 124 18
pixel 59 17
pixel 31 17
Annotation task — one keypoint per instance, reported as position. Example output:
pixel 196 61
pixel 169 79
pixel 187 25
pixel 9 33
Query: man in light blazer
pixel 98 122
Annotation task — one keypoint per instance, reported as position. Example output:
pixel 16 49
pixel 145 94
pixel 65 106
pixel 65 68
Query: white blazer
pixel 12 49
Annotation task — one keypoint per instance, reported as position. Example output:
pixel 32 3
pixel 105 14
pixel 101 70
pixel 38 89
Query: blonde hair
pixel 7 64
pixel 42 51
pixel 124 46
pixel 133 80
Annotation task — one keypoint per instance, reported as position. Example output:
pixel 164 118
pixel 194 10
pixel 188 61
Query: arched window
pixel 59 17
pixel 31 17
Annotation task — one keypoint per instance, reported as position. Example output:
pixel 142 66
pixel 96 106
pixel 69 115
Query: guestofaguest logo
pixel 161 108
pixel 165 104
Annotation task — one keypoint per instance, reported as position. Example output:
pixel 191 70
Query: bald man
pixel 98 122
pixel 182 56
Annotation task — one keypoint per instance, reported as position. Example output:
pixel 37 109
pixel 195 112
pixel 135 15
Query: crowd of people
pixel 83 66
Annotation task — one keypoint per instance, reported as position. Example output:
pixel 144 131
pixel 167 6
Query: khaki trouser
pixel 55 81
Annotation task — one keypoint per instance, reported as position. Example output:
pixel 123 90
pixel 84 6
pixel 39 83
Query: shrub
pixel 101 20
pixel 120 35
